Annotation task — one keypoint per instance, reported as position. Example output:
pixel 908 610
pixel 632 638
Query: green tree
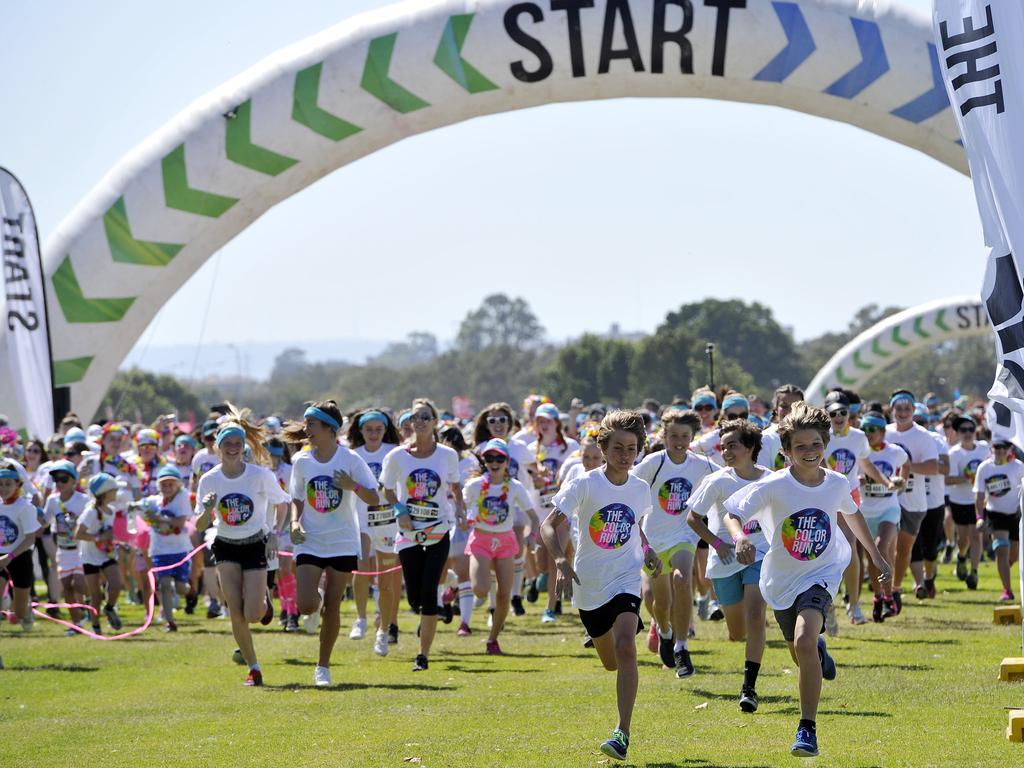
pixel 592 368
pixel 141 396
pixel 500 322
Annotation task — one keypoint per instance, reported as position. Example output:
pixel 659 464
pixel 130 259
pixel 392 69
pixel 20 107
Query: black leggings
pixel 926 545
pixel 421 568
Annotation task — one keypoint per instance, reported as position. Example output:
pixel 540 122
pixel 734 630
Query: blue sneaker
pixel 617 745
pixel 806 743
pixel 828 664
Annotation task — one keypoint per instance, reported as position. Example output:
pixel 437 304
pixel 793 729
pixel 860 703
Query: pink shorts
pixel 495 546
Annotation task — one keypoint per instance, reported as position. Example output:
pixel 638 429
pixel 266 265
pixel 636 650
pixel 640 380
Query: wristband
pixel 357 488
pixel 717 543
pixel 646 549
pixel 401 510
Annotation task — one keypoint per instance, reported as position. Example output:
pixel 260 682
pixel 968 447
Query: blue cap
pixel 547 411
pixel 186 440
pixel 495 445
pixel 64 466
pixel 169 470
pixel 101 483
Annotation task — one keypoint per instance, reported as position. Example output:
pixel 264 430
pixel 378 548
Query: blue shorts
pixel 729 590
pixel 181 573
pixel 891 515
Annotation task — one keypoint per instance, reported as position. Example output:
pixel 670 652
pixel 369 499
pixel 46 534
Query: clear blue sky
pixel 701 198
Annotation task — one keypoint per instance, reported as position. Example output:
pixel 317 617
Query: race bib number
pixel 998 485
pixel 380 515
pixel 423 512
pixel 876 490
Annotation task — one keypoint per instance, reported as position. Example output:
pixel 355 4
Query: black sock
pixel 808 724
pixel 750 670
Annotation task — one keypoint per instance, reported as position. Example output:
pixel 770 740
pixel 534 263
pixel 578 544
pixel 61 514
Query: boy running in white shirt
pixel 964 460
pixel 797 509
pixel 610 547
pixel 997 486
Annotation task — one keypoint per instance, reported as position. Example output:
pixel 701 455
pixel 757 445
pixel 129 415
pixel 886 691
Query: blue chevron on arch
pixel 930 103
pixel 873 61
pixel 799 44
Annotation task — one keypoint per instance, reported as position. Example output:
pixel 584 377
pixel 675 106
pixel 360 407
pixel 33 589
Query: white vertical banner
pixel 28 380
pixel 981 49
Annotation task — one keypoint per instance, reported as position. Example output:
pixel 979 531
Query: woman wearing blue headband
pixel 325 484
pixel 372 435
pixel 238 495
pixel 706 405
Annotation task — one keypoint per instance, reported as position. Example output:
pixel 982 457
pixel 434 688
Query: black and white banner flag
pixel 981 49
pixel 26 378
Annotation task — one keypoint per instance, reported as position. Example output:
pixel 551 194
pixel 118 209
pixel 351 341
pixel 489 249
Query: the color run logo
pixel 612 526
pixel 972 467
pixel 8 531
pixel 422 484
pixel 751 527
pixel 673 494
pixel 806 534
pixel 321 494
pixel 235 509
pixel 884 467
pixel 375 467
pixel 513 467
pixel 495 511
pixel 842 461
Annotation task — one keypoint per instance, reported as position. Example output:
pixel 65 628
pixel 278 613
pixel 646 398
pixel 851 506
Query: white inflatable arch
pixel 896 336
pixel 379 77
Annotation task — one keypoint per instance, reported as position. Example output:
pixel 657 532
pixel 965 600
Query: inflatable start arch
pixel 382 76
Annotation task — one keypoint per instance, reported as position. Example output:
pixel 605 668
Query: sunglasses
pixel 425 416
pixel 966 430
pixel 494 458
pixel 497 419
pixel 61 478
pixel 704 408
pixel 743 415
pixel 872 430
pixel 69 454
pixel 839 414
pixel 32 450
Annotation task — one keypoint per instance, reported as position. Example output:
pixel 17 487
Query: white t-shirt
pixel 240 511
pixel 875 498
pixel 551 458
pixel 608 552
pixel 844 451
pixel 496 515
pixel 771 455
pixel 95 522
pixel 173 540
pixel 710 444
pixel 17 520
pixel 709 501
pixel 203 461
pixel 935 485
pixel 1001 483
pixel 670 486
pixel 329 517
pixel 422 485
pixel 964 463
pixel 806 546
pixel 62 517
pixel 920 447
pixel 377 521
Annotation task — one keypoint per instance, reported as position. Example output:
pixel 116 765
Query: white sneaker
pixel 311 622
pixel 831 624
pixel 358 630
pixel 380 643
pixel 321 677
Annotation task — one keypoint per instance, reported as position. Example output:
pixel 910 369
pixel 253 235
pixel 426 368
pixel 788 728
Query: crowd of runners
pixel 714 507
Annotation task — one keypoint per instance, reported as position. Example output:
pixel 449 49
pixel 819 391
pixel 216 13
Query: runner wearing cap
pixel 923 457
pixel 491 503
pixel 95 534
pixel 167 514
pixel 964 459
pixel 997 486
pixel 18 526
pixel 62 511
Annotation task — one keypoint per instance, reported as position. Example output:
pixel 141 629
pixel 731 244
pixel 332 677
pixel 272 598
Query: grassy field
pixel 920 690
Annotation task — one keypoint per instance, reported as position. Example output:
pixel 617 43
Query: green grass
pixel 920 690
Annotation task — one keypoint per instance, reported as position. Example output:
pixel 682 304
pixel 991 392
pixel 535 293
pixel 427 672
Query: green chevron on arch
pixel 877 349
pixel 896 337
pixel 859 363
pixel 124 248
pixel 842 378
pixel 76 307
pixel 241 150
pixel 306 111
pixel 940 321
pixel 449 56
pixel 71 371
pixel 377 82
pixel 180 196
pixel 919 330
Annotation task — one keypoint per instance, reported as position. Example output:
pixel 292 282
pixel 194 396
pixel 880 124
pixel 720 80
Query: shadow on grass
pixel 345 687
pixel 842 712
pixel 904 641
pixel 901 667
pixel 690 762
pixel 955 626
pixel 54 668
pixel 732 697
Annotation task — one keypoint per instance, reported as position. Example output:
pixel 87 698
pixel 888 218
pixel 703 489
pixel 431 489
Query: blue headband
pixel 315 413
pixel 369 416
pixel 872 421
pixel 275 450
pixel 404 418
pixel 733 400
pixel 9 474
pixel 900 397
pixel 705 399
pixel 231 431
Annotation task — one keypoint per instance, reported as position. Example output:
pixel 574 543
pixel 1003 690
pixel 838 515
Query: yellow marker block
pixel 1006 614
pixel 1015 730
pixel 1012 670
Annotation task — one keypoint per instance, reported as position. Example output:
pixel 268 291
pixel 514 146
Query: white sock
pixel 440 595
pixel 680 645
pixel 466 602
pixel 452 579
pixel 376 600
pixel 255 667
pixel 492 595
pixel 517 577
pixel 665 635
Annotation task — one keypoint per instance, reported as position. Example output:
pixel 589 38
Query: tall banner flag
pixel 26 387
pixel 981 51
